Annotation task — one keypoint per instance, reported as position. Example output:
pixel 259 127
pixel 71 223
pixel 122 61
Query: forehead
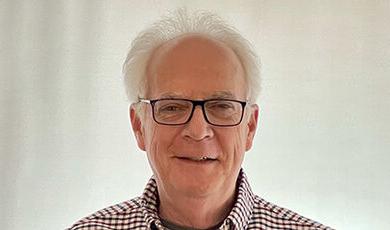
pixel 195 66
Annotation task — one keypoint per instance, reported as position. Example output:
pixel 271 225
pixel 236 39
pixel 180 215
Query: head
pixel 197 158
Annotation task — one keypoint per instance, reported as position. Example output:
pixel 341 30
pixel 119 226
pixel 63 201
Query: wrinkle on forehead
pixel 193 57
pixel 180 52
pixel 214 95
pixel 195 44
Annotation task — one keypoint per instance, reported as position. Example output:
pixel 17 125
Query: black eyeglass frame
pixel 195 103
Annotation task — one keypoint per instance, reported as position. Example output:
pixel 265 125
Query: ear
pixel 252 125
pixel 136 124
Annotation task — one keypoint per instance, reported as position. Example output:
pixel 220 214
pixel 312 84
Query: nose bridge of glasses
pixel 200 105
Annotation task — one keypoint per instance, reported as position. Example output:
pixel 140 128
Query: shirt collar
pixel 243 206
pixel 238 217
pixel 150 202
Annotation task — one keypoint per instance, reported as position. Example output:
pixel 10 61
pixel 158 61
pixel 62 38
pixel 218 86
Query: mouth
pixel 202 159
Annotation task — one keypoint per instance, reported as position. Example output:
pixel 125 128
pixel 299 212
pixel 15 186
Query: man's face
pixel 197 68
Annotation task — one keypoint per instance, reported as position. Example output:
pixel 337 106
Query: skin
pixel 195 194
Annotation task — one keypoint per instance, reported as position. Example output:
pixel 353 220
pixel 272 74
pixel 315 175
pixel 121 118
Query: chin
pixel 195 185
pixel 196 191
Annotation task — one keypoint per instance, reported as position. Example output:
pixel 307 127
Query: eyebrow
pixel 222 95
pixel 171 95
pixel 217 94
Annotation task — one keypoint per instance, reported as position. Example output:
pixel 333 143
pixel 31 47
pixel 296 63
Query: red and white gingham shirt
pixel 248 212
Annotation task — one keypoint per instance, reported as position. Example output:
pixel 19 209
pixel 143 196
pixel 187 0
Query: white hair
pixel 179 23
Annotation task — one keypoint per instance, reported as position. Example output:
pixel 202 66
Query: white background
pixel 322 147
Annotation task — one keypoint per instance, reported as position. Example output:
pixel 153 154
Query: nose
pixel 197 128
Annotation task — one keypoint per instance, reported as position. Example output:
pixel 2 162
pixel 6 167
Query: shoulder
pixel 125 215
pixel 268 215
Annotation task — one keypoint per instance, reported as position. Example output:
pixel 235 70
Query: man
pixel 194 81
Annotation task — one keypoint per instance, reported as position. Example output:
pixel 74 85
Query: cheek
pixel 151 148
pixel 151 143
pixel 158 141
pixel 239 145
pixel 233 145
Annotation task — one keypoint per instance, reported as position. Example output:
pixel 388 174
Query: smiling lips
pixel 197 159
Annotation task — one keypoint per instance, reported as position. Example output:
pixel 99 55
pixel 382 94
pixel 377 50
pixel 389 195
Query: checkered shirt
pixel 248 212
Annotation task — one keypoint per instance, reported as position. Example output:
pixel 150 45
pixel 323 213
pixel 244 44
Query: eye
pixel 220 105
pixel 172 107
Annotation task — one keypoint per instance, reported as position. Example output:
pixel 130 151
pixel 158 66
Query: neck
pixel 196 212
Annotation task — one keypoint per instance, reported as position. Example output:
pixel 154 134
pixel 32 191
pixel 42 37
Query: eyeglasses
pixel 218 112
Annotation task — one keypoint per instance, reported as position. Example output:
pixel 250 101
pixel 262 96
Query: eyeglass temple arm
pixel 144 100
